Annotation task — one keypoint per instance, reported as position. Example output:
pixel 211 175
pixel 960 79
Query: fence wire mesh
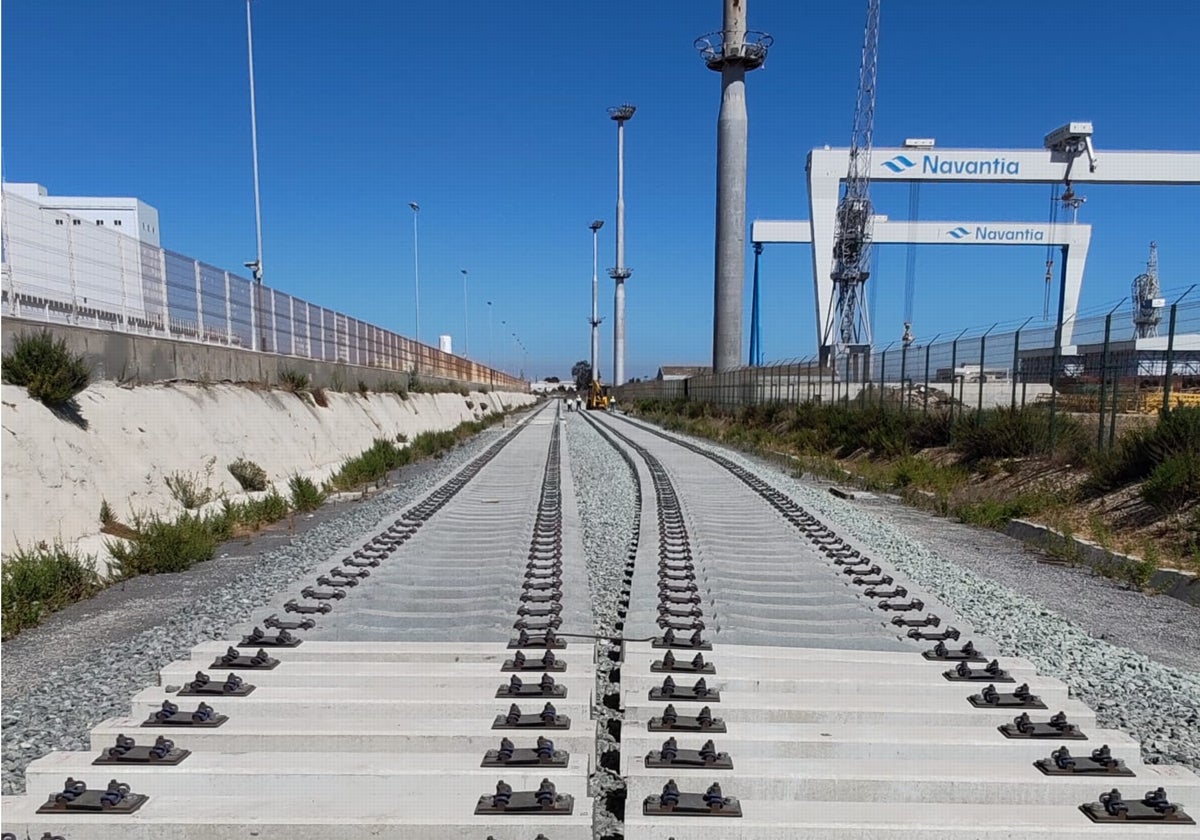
pixel 61 269
pixel 1106 371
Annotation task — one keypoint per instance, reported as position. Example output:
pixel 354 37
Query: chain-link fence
pixel 62 269
pixel 1106 372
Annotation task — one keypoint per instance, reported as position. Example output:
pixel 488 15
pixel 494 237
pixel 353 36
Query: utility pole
pixel 595 319
pixel 620 114
pixel 732 52
pixel 256 267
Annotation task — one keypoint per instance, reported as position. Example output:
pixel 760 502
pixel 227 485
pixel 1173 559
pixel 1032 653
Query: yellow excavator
pixel 597 399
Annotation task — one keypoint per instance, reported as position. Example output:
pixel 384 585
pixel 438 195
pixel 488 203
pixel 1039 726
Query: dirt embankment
pixel 126 441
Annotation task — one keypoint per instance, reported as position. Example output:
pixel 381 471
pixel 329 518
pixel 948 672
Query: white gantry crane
pixel 848 330
pixel 1147 305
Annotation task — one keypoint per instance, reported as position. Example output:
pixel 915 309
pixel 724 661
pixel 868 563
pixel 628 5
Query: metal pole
pixel 1104 377
pixel 258 254
pixel 595 319
pixel 491 361
pixel 982 359
pixel 755 341
pixel 620 273
pixel 953 374
pixel 416 208
pixel 1112 414
pixel 1017 359
pixel 466 317
pixel 925 407
pixel 1166 406
pixel 903 374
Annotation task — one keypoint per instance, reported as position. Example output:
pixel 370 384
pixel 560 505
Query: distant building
pixel 670 373
pixel 130 216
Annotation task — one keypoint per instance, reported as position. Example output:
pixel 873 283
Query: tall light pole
pixel 257 266
pixel 620 114
pixel 416 208
pixel 466 317
pixel 595 320
pixel 491 362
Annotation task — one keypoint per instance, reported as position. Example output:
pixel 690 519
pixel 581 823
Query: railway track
pixel 439 680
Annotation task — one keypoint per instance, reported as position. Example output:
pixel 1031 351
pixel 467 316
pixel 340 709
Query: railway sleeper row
pixel 279 733
pixel 283 732
pixel 944 740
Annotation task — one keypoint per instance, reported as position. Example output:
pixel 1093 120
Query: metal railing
pixel 1105 372
pixel 62 269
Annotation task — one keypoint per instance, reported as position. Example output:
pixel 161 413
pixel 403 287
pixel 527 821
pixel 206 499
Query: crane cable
pixel 1050 252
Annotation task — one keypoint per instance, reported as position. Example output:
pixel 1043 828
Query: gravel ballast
pixel 606 493
pixel 1155 703
pixel 58 708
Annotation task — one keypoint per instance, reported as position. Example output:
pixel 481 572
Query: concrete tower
pixel 733 51
pixel 619 272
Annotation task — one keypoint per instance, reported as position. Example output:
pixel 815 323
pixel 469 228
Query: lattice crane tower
pixel 849 329
pixel 1147 305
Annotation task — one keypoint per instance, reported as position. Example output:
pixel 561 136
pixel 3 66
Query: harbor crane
pixel 848 331
pixel 1147 303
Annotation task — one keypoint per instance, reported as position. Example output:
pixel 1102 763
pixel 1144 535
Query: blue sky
pixel 492 116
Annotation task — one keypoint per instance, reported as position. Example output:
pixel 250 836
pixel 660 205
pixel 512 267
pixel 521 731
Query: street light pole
pixel 258 262
pixel 595 321
pixel 257 266
pixel 466 316
pixel 416 268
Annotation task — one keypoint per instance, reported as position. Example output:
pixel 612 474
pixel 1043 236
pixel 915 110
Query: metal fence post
pixel 982 363
pixel 228 312
pixel 1054 358
pixel 162 263
pixel 903 373
pixel 124 293
pixel 882 370
pixel 1016 364
pixel 925 409
pixel 1104 378
pixel 1170 370
pixel 274 324
pixel 199 301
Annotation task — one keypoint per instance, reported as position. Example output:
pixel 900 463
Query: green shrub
pixel 370 465
pixel 186 487
pixel 38 581
pixel 46 369
pixel 163 546
pixel 996 513
pixel 294 381
pixel 1016 433
pixel 107 517
pixel 306 495
pixel 1140 451
pixel 254 513
pixel 249 475
pixel 1174 483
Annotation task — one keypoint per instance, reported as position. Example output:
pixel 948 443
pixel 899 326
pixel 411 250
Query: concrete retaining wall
pixel 127 358
pixel 126 440
pixel 1172 582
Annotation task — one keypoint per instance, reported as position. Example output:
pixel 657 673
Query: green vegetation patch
pixel 41 580
pixel 46 369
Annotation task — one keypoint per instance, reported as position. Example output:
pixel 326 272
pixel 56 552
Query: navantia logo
pixel 959 232
pixel 898 164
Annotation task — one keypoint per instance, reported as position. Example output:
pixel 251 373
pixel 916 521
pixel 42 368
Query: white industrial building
pixel 81 258
pixel 130 216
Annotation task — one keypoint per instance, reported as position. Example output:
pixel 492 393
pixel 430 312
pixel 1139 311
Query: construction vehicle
pixel 598 397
